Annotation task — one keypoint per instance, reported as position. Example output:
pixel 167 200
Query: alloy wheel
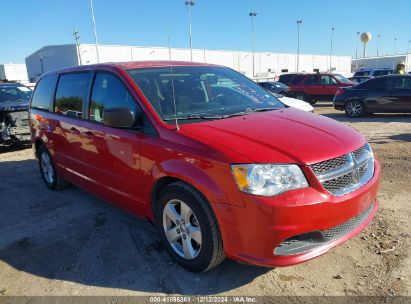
pixel 354 109
pixel 47 167
pixel 182 229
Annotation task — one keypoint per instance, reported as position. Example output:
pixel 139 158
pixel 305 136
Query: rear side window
pixel 109 92
pixel 71 94
pixel 311 80
pixel 44 92
pixel 297 79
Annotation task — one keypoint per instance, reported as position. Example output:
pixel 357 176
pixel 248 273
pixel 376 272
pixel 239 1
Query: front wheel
pixel 354 108
pixel 189 228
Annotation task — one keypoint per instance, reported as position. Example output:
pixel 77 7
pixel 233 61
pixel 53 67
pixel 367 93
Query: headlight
pixel 268 179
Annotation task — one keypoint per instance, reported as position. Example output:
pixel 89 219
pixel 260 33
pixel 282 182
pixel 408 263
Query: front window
pixel 201 92
pixel 16 93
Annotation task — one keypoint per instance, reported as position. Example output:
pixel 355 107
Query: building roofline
pixel 48 46
pixel 186 49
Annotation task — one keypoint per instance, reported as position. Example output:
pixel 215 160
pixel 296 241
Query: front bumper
pixel 339 104
pixel 252 234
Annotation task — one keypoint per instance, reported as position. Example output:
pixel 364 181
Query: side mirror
pixel 119 118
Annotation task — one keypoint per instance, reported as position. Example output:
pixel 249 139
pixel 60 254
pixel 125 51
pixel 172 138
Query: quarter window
pixel 71 94
pixel 109 92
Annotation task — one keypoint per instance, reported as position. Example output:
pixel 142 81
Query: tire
pixel 197 245
pixel 354 109
pixel 51 178
pixel 300 96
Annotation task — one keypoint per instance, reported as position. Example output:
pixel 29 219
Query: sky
pixel 27 25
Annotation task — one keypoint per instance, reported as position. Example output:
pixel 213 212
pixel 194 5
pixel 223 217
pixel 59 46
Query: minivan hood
pixel 283 136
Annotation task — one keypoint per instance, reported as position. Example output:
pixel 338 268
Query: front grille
pixel 334 185
pixel 308 241
pixel 346 173
pixel 329 165
pixel 359 152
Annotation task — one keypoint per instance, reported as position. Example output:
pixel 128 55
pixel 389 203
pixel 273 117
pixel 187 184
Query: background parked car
pixel 287 78
pixel 359 79
pixel 317 86
pixel 14 105
pixel 295 103
pixel 373 72
pixel 275 87
pixel 390 93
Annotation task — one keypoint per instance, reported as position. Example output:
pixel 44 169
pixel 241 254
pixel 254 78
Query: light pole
pixel 298 44
pixel 331 48
pixel 252 15
pixel 378 49
pixel 95 31
pixel 356 47
pixel 408 52
pixel 395 46
pixel 189 4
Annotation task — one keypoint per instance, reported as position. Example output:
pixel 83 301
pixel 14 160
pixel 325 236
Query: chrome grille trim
pixel 348 175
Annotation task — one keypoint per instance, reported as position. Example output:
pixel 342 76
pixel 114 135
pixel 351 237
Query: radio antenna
pixel 174 98
pixel 168 40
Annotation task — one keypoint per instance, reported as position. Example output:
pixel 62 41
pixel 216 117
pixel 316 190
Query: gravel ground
pixel 71 243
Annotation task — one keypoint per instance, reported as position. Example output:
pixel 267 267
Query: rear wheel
pixel 49 174
pixel 354 108
pixel 189 228
pixel 300 96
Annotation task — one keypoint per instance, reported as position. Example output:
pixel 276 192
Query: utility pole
pixel 253 15
pixel 395 45
pixel 189 4
pixel 95 31
pixel 77 39
pixel 331 48
pixel 298 44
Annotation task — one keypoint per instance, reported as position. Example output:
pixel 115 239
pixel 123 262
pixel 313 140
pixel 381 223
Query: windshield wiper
pixel 196 117
pixel 250 111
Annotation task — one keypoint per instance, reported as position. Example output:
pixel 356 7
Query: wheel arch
pixel 193 176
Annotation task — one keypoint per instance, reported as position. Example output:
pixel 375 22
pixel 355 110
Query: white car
pixel 295 103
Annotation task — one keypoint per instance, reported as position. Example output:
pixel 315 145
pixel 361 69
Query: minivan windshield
pixel 201 92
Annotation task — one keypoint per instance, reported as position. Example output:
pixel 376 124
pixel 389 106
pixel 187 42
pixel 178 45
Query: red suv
pixel 318 86
pixel 221 166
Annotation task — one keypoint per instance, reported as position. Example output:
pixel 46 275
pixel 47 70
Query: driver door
pixel 113 155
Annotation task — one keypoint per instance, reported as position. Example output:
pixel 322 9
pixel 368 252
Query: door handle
pixel 74 131
pixel 88 134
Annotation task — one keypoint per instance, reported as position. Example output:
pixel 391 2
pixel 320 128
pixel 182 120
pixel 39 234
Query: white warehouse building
pixel 266 64
pixel 382 62
pixel 14 72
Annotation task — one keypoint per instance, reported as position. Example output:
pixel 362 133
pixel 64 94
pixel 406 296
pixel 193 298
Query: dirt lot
pixel 71 243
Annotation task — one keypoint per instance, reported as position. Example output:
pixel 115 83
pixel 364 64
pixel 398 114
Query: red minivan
pixel 221 166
